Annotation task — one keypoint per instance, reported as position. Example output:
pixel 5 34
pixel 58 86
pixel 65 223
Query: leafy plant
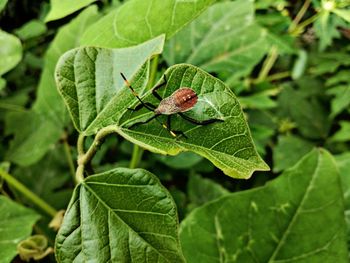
pixel 85 175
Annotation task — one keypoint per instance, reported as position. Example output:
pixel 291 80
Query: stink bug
pixel 182 100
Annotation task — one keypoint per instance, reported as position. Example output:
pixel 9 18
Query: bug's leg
pixel 173 132
pixel 197 122
pixel 143 122
pixel 154 90
pixel 140 106
pixel 127 83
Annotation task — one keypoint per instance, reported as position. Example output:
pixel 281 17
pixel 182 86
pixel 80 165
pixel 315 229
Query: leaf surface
pixel 289 218
pixel 227 144
pixel 223 39
pixel 122 215
pixel 89 80
pixel 62 8
pixel 139 20
pixel 16 224
pixel 10 51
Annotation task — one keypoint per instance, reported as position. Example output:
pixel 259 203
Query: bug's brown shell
pixel 181 100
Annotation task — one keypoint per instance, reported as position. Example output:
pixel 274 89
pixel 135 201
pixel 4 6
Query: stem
pixel 136 156
pixel 84 158
pixel 69 156
pixel 268 64
pixel 304 24
pixel 273 77
pixel 299 16
pixel 27 193
pixel 137 151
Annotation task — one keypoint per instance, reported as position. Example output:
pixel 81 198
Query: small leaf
pixel 300 64
pixel 343 135
pixel 288 220
pixel 10 52
pixel 223 39
pixel 341 99
pixel 102 225
pixel 16 223
pixel 62 8
pixel 33 28
pixel 89 81
pixel 139 20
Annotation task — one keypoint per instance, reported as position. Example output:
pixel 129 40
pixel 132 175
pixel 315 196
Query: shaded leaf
pixel 289 218
pixel 47 178
pixel 30 129
pixel 102 225
pixel 223 39
pixel 16 223
pixel 48 114
pixel 33 28
pixel 288 151
pixel 343 134
pixel 139 20
pixel 62 8
pixel 203 190
pixel 184 160
pixel 10 52
pixel 341 100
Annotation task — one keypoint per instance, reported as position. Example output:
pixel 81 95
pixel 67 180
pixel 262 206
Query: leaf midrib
pixel 85 184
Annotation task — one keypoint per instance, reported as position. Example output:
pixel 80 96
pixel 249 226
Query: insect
pixel 182 100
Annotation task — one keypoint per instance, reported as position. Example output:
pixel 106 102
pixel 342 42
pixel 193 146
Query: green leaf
pixel 31 29
pixel 306 110
pixel 343 13
pixel 341 100
pixel 48 178
pixel 48 116
pixel 202 190
pixel 139 20
pixel 95 98
pixel 10 51
pixel 223 39
pixel 2 4
pixel 62 8
pixel 16 224
pixel 343 134
pixel 48 100
pixel 35 247
pixel 288 151
pixel 288 220
pixel 34 136
pixel 185 160
pixel 227 145
pixel 101 225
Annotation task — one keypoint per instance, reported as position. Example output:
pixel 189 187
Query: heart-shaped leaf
pixel 227 144
pixel 298 217
pixel 97 100
pixel 122 215
pixel 89 81
pixel 139 20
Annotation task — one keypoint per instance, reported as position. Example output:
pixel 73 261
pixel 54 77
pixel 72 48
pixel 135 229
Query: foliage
pixel 274 75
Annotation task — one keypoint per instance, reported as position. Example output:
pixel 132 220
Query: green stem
pixel 85 158
pixel 273 77
pixel 299 16
pixel 268 64
pixel 304 24
pixel 137 151
pixel 136 157
pixel 27 193
pixel 69 157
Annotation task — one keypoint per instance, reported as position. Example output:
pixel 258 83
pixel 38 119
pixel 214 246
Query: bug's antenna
pixel 134 92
